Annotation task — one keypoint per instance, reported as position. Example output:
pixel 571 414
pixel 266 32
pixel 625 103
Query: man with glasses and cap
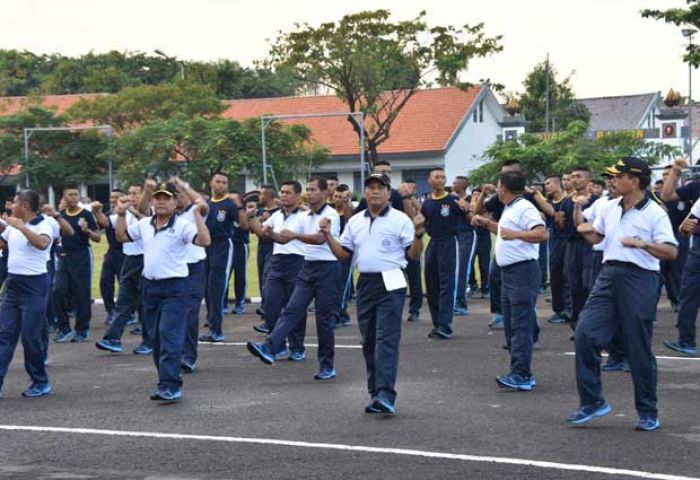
pixel 379 237
pixel 636 234
pixel 165 288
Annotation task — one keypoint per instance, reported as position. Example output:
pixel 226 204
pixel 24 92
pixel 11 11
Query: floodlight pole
pixel 359 116
pixel 29 131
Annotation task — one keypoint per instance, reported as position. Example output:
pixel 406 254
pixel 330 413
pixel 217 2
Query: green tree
pixel 201 146
pixel 686 18
pixel 541 156
pixel 375 65
pixel 55 157
pixel 563 107
pixel 21 73
pixel 136 106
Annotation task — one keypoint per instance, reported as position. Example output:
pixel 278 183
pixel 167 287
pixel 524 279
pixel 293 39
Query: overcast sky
pixel 606 44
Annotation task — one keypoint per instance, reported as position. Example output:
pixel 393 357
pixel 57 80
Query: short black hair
pixel 511 161
pixel 566 172
pixel 342 188
pixel 30 197
pixel 218 172
pixel 599 182
pixel 296 186
pixel 332 177
pixel 71 186
pixel 553 175
pixel 477 189
pixel 435 169
pixel 644 181
pixel 382 162
pixel 410 180
pixel 668 167
pixel 322 182
pixel 659 182
pixel 462 177
pixel 581 168
pixel 513 181
pixel 271 188
pixel 118 190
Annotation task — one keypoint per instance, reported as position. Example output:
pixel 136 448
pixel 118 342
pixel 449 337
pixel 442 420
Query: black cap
pixel 379 177
pixel 166 188
pixel 630 165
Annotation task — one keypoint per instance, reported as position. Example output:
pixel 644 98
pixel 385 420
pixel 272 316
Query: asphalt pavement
pixel 242 419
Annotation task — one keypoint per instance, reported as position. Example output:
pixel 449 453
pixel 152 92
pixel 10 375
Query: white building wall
pixel 467 150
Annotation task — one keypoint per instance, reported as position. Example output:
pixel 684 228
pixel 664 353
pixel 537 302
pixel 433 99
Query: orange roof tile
pixel 426 123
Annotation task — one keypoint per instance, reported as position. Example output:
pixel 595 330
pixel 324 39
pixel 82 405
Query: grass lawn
pixel 99 250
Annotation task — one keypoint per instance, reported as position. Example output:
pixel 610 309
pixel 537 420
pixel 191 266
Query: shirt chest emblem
pixel 221 216
pixel 445 210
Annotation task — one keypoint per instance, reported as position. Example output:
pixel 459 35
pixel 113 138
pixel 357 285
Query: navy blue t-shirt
pixel 111 235
pixel 222 214
pixel 441 216
pixel 555 232
pixel 80 240
pixel 689 192
pixel 568 208
pixel 240 235
pixel 463 225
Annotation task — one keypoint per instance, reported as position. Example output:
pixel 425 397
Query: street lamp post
pixel 160 52
pixel 688 33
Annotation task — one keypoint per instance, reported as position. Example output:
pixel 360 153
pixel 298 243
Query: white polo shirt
pixel 131 248
pixel 379 244
pixel 645 221
pixel 593 212
pixel 23 257
pixel 164 251
pixel 309 225
pixel 195 253
pixel 521 215
pixel 279 222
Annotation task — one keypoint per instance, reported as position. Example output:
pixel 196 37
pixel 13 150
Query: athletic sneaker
pixel 212 337
pixel 187 367
pixel 137 330
pixel 677 346
pixel 114 346
pixel 262 328
pixel 259 350
pixel 558 318
pixel 460 311
pixel 647 423
pixel 37 390
pixel 80 337
pixel 439 334
pixel 143 350
pixel 296 356
pixel 587 413
pixel 514 382
pixel 167 396
pixel 384 407
pixel 614 365
pixel 64 337
pixel 496 322
pixel 325 374
pixel 282 353
pixel 344 321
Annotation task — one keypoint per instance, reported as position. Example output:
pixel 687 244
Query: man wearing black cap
pixel 165 287
pixel 636 233
pixel 379 238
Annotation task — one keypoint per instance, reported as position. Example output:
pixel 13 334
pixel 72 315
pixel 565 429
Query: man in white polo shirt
pixel 164 285
pixel 637 233
pixel 380 237
pixel 23 313
pixel 520 230
pixel 318 280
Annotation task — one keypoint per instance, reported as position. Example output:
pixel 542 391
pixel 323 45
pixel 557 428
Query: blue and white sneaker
pixel 239 310
pixel 496 322
pixel 132 320
pixel 647 423
pixel 344 321
pixel 460 311
pixel 167 396
pixel 211 337
pixel 325 374
pixel 677 346
pixel 137 330
pixel 143 350
pixel 384 407
pixel 296 356
pixel 37 390
pixel 259 350
pixel 114 346
pixel 64 337
pixel 515 382
pixel 80 337
pixel 187 366
pixel 282 354
pixel 613 365
pixel 587 413
pixel 262 328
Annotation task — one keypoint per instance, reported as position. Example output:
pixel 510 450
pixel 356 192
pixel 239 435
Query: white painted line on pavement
pixel 696 359
pixel 311 345
pixel 356 448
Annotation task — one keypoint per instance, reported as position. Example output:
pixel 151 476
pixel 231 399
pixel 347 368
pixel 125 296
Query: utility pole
pixel 688 33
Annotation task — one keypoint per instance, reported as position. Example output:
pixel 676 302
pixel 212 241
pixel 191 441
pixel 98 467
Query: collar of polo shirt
pixel 170 223
pixel 36 220
pixel 518 197
pixel 318 212
pixel 640 205
pixel 383 213
pixel 286 215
